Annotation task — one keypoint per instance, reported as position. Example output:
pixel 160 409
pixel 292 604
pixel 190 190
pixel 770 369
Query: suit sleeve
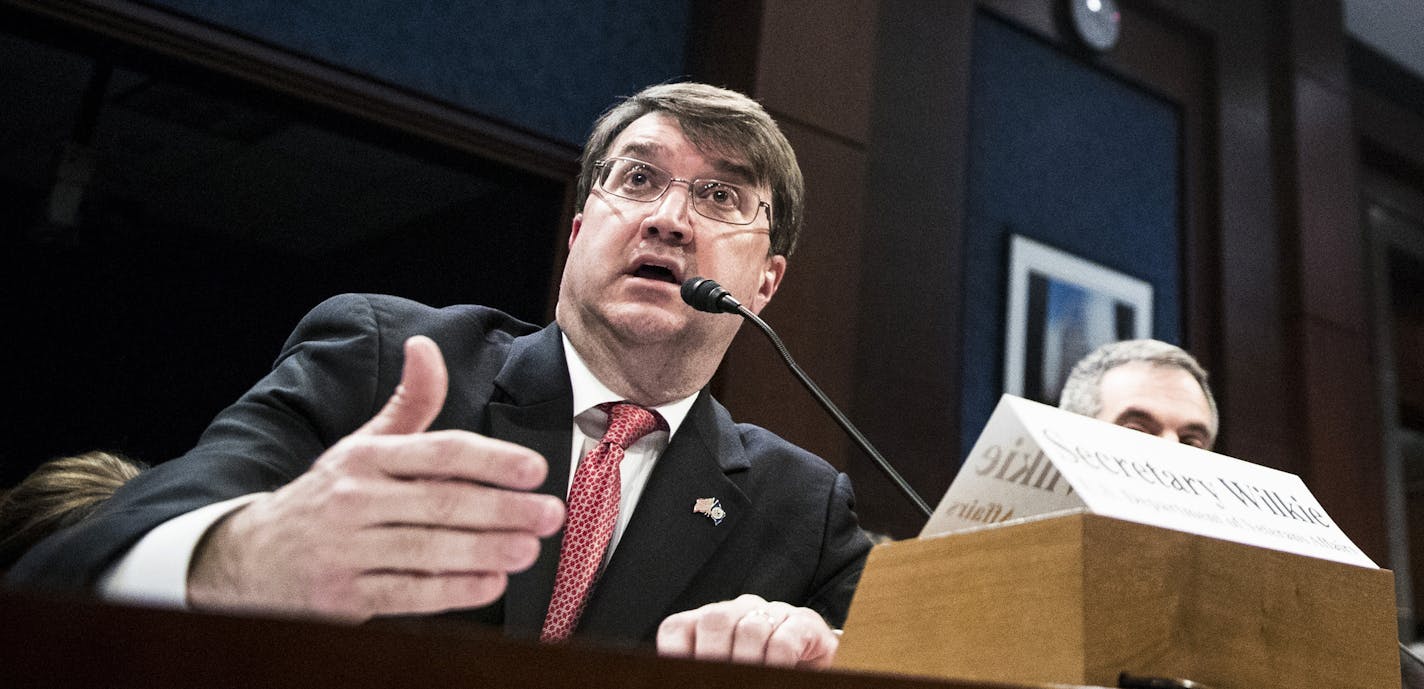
pixel 843 555
pixel 325 383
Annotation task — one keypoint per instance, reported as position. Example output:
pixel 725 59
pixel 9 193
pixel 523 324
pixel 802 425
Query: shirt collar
pixel 590 392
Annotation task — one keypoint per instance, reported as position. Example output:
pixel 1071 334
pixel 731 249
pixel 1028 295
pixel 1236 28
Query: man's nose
pixel 671 219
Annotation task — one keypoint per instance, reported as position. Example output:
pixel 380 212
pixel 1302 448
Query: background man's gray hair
pixel 1082 392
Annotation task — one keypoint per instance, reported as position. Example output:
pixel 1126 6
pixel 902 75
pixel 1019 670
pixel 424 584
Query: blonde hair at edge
pixel 60 493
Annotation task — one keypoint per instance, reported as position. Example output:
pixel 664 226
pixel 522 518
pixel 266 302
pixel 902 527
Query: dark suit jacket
pixel 790 533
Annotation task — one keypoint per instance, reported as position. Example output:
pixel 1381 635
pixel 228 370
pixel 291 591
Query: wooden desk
pixel 55 642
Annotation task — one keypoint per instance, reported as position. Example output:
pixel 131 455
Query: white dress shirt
pixel 590 422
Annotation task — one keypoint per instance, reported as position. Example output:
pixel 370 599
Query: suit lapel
pixel 666 543
pixel 533 407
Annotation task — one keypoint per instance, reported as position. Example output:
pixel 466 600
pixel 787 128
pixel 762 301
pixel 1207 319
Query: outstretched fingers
pixel 437 551
pixel 379 592
pixel 449 454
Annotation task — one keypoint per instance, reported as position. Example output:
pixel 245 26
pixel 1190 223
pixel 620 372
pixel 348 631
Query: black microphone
pixel 705 294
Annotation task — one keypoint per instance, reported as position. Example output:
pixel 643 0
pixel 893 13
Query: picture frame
pixel 1060 307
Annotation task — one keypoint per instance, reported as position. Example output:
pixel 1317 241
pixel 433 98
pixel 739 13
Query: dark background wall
pixel 1073 158
pixel 222 201
pixel 549 66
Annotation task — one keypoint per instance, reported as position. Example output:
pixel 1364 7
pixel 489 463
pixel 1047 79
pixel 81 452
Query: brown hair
pixel 60 493
pixel 719 121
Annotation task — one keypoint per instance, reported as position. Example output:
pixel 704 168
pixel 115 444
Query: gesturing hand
pixel 391 519
pixel 751 630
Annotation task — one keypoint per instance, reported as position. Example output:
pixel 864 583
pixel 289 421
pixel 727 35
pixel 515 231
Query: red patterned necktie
pixel 592 513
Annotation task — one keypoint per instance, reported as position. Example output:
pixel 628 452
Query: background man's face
pixel 1164 401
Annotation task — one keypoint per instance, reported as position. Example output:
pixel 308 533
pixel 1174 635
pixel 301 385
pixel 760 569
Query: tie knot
pixel 628 422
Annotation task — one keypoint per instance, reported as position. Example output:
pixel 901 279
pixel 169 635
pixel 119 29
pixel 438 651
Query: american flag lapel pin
pixel 712 507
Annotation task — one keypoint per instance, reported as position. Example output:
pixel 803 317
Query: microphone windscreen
pixel 703 294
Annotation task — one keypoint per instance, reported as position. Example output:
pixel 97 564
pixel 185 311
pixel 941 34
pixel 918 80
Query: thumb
pixel 420 395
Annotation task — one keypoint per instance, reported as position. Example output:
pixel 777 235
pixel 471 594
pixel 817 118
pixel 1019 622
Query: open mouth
pixel 650 271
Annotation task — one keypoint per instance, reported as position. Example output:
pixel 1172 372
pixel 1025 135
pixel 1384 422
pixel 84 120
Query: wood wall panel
pixel 1317 46
pixel 1330 241
pixel 1392 136
pixel 908 367
pixel 1252 373
pixel 1344 460
pixel 1324 241
pixel 813 312
pixel 813 75
pixel 816 64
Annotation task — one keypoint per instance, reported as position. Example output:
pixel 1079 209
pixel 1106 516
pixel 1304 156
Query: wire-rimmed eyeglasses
pixel 635 180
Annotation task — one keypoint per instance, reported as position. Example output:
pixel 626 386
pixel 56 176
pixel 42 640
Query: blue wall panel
pixel 1062 153
pixel 550 66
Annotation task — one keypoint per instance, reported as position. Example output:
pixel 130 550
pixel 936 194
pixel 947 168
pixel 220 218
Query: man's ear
pixel 771 275
pixel 574 230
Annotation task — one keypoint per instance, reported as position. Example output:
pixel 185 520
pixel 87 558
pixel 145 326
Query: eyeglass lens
pixel 640 181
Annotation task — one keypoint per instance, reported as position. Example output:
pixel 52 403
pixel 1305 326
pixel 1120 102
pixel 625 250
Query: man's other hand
pixel 751 630
pixel 391 519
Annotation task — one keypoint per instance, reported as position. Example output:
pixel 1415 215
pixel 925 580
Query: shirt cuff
pixel 155 571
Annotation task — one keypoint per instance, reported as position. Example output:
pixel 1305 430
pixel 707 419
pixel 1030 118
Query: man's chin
pixel 646 324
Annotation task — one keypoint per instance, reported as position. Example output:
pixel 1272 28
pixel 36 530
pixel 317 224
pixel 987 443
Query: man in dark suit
pixel 401 459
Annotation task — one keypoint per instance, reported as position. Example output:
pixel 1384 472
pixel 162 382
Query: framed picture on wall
pixel 1060 308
